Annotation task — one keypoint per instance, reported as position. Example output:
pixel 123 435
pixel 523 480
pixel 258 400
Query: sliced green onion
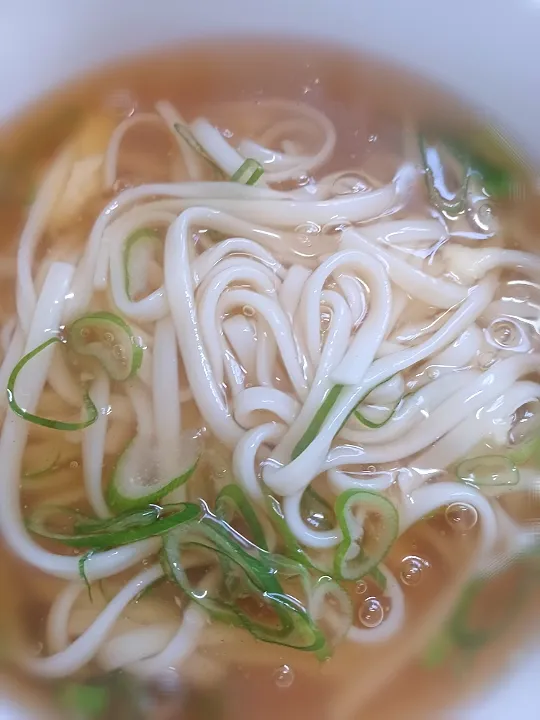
pixel 82 571
pixel 526 451
pixel 294 627
pixel 316 511
pixel 374 425
pixel 45 458
pixel 461 626
pixel 339 614
pixel 90 408
pixel 292 548
pixel 353 561
pixel 489 470
pixel 139 250
pixel 451 206
pixel 137 480
pixel 84 702
pixel 481 179
pixel 378 577
pixel 437 650
pixel 205 535
pixel 233 501
pixel 121 530
pixel 305 635
pixel 315 425
pixel 496 180
pixel 110 340
pixel 248 173
pixel 186 135
pixel 49 464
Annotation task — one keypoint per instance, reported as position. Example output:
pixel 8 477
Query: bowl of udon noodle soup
pixel 270 377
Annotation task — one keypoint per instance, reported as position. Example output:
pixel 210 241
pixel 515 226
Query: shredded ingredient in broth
pixel 267 403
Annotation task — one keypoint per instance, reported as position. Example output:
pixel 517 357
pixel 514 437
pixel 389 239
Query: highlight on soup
pixel 271 344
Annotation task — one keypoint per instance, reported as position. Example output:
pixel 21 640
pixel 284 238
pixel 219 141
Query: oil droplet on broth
pixel 284 676
pixel 360 587
pixel 413 570
pixel 461 517
pixel 306 232
pixel 371 613
pixel 349 183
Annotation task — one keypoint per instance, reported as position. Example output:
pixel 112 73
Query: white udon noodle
pixel 263 333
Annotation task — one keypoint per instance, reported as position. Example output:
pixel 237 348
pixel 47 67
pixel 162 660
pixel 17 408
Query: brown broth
pixel 368 103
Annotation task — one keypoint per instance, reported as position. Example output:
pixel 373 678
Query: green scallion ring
pixel 90 408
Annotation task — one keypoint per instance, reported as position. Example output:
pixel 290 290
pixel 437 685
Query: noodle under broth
pixel 270 347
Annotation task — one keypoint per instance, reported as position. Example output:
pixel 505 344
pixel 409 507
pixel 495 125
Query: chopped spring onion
pixel 82 571
pixel 361 550
pixel 374 425
pixel 230 504
pixel 48 463
pixel 188 137
pixel 491 470
pixel 90 408
pixel 463 629
pixel 479 180
pixel 248 173
pixel 496 180
pixel 526 451
pixel 292 548
pixel 330 602
pixel 293 626
pixel 84 702
pixel 437 650
pixel 110 340
pixel 137 479
pixel 232 501
pixel 121 530
pixel 47 457
pixel 440 196
pixel 378 577
pixel 318 420
pixel 139 251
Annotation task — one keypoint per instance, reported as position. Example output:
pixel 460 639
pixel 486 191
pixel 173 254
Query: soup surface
pixel 270 343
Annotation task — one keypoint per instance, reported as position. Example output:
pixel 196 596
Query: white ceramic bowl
pixel 485 50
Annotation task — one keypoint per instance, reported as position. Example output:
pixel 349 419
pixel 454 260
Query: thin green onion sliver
pixel 90 408
pixel 374 425
pixel 461 629
pixel 488 470
pixel 231 500
pixel 248 173
pixel 86 702
pixel 122 530
pixel 295 627
pixel 315 425
pixel 110 340
pixel 365 560
pixel 452 207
